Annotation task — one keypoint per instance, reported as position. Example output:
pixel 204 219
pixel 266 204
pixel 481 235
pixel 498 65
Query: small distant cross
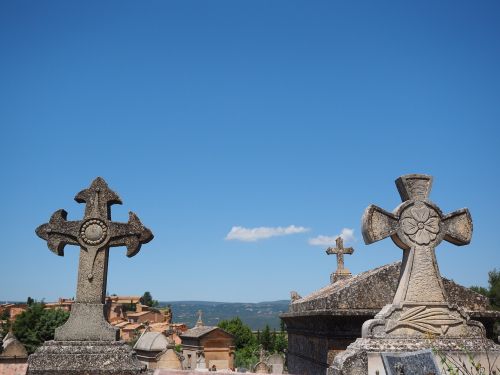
pixel 339 250
pixel 199 323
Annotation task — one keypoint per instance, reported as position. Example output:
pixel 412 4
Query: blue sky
pixel 204 116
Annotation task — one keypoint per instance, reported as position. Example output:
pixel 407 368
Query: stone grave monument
pixel 87 343
pixel 339 250
pixel 276 362
pixel 419 316
pixel 262 367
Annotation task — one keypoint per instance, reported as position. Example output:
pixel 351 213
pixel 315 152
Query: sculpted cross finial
pixel 199 323
pixel 262 353
pixel 417 226
pixel 95 234
pixel 339 250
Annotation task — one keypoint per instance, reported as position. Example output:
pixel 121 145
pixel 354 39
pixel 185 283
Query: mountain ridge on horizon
pixel 255 314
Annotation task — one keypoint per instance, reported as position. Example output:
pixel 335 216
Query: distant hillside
pixel 256 315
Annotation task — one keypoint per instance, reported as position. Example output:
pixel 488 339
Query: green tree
pixel 4 327
pixel 273 341
pixel 266 339
pixel 36 325
pixel 30 301
pixel 281 343
pixel 147 299
pixel 246 357
pixel 243 336
pixel 5 315
pixel 244 341
pixel 493 292
pixel 282 325
pixel 480 289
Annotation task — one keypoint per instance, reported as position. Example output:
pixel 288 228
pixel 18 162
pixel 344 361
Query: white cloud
pixel 255 234
pixel 347 235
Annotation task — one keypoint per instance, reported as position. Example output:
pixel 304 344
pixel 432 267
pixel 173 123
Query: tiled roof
pixel 138 313
pixel 132 326
pixel 198 331
pixel 120 324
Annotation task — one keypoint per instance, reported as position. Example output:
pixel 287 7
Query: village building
pixel 118 306
pixel 324 323
pixel 144 314
pixel 157 351
pixel 132 317
pixel 13 356
pixel 204 347
pixel 12 310
pixel 62 304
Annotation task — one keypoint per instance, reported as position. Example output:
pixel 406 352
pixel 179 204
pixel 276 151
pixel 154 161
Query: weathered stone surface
pixel 261 368
pixel 276 362
pixel 354 361
pixel 415 363
pixel 87 323
pixel 420 308
pixel 324 323
pixel 12 350
pixel 87 343
pixel 366 293
pixel 95 234
pixel 84 357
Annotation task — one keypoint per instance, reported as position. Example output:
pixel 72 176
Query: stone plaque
pixel 415 363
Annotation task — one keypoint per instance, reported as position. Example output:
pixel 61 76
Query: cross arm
pixel 348 250
pixel 378 224
pixel 457 227
pixel 131 234
pixel 59 232
pixel 330 251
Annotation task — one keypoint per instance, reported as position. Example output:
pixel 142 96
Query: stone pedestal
pixel 336 276
pixel 455 337
pixel 84 357
pixel 364 356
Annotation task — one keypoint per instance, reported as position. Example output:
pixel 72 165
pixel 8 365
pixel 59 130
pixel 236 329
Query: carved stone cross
pixel 95 234
pixel 339 250
pixel 417 226
pixel 199 322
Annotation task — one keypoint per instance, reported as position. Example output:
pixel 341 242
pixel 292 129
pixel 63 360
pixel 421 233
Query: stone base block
pixel 87 323
pixel 364 355
pixel 84 358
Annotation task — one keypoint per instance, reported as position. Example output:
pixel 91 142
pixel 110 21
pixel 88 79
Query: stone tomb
pixel 324 323
pixel 87 343
pixel 420 315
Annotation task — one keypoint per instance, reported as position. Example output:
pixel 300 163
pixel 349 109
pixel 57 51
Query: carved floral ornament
pixel 421 224
pixel 433 320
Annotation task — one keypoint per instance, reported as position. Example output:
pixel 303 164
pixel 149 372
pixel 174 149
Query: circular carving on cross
pixel 420 225
pixel 93 232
